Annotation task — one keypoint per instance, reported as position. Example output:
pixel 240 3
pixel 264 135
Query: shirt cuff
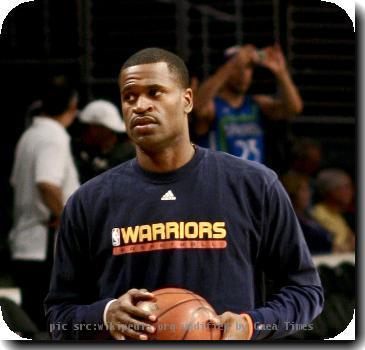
pixel 259 331
pixel 106 310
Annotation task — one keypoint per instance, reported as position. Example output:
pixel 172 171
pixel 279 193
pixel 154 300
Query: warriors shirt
pixel 215 226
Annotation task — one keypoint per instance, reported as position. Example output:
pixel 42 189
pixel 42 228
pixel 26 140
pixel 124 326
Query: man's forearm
pixel 290 99
pixel 291 310
pixel 77 322
pixel 52 197
pixel 210 87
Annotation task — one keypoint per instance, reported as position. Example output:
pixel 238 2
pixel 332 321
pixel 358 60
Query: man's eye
pixel 154 92
pixel 128 97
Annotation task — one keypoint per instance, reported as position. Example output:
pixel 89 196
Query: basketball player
pixel 228 118
pixel 178 216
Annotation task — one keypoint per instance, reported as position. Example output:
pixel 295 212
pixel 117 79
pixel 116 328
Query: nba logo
pixel 116 237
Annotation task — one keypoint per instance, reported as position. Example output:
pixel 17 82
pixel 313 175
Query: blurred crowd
pixel 229 118
pixel 65 144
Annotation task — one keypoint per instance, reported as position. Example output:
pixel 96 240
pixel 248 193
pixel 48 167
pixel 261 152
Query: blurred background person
pixel 306 156
pixel 305 161
pixel 103 142
pixel 43 177
pixel 319 239
pixel 229 119
pixel 336 192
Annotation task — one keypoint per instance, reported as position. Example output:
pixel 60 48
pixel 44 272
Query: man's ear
pixel 73 104
pixel 188 100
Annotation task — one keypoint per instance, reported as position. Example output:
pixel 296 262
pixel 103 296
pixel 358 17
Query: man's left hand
pixel 273 59
pixel 234 326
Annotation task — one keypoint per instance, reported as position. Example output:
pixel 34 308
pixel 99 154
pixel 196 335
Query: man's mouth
pixel 143 124
pixel 143 121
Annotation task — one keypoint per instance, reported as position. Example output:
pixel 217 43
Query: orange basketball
pixel 181 315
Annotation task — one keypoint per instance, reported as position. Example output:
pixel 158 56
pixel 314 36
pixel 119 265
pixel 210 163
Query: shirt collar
pixel 49 122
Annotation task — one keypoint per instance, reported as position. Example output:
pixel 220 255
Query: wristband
pixel 249 323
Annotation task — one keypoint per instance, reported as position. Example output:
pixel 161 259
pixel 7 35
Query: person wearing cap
pixel 103 142
pixel 229 119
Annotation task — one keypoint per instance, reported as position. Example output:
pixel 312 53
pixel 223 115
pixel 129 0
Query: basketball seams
pixel 179 293
pixel 176 305
pixel 210 333
pixel 203 307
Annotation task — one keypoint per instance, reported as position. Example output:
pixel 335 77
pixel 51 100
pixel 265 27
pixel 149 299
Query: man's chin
pixel 238 90
pixel 148 142
pixel 241 90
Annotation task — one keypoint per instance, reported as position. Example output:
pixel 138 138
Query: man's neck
pixel 59 119
pixel 166 160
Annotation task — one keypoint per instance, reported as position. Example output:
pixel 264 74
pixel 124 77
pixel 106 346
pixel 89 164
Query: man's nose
pixel 142 105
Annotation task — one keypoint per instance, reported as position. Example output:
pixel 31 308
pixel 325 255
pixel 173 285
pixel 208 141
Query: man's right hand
pixel 125 319
pixel 246 56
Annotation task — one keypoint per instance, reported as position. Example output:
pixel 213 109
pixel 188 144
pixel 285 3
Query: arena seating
pixel 338 276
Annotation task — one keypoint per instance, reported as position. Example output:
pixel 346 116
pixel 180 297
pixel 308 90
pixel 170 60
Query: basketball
pixel 181 315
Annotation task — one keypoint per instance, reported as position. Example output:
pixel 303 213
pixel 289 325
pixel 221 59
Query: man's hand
pixel 272 57
pixel 53 222
pixel 125 319
pixel 234 326
pixel 246 56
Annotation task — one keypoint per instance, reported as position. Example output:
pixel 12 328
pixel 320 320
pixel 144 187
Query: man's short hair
pixel 154 55
pixel 330 179
pixel 57 95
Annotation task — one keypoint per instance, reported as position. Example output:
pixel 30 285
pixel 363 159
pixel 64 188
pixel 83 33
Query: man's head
pixel 103 122
pixel 306 156
pixel 60 99
pixel 156 98
pixel 335 187
pixel 240 78
pixel 155 55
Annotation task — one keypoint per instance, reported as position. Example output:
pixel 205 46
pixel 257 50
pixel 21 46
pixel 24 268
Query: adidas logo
pixel 168 196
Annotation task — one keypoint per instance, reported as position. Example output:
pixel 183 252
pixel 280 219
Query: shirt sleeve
pixel 72 306
pixel 106 310
pixel 51 161
pixel 297 295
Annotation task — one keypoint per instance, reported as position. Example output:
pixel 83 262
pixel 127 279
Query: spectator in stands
pixel 306 156
pixel 305 160
pixel 336 190
pixel 103 143
pixel 43 177
pixel 319 240
pixel 228 118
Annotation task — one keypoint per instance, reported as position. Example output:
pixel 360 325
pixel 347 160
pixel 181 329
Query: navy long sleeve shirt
pixel 214 226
